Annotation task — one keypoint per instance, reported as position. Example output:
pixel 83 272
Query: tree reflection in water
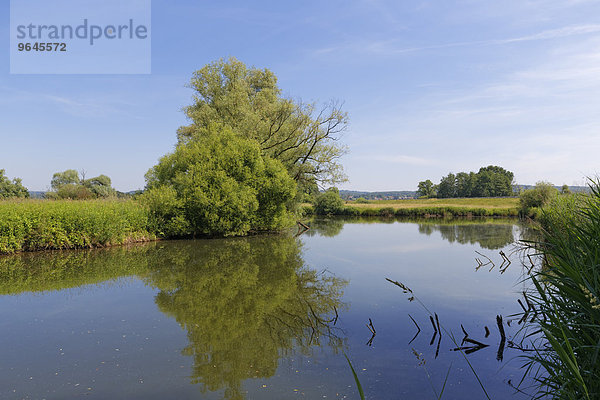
pixel 245 303
pixel 490 236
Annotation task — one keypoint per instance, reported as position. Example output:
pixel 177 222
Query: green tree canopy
pixel 14 188
pixel 69 185
pixel 303 137
pixel 68 177
pixel 447 186
pixel 220 184
pixel 490 181
pixel 100 186
pixel 426 189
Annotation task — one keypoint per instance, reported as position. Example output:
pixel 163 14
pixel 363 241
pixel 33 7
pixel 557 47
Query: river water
pixel 269 317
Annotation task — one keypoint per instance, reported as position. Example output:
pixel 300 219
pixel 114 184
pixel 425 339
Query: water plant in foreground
pixel 566 299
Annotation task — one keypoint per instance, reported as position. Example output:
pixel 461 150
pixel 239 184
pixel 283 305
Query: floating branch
pixel 301 228
pixel 463 329
pixel 466 334
pixel 532 263
pixel 373 333
pixel 432 323
pixel 336 315
pixel 529 305
pixel 500 326
pixel 371 327
pixel 469 349
pixel 475 342
pixel 487 263
pixel 515 346
pixel 500 354
pixel 504 259
pixel 433 338
pixel 418 329
pixel 306 227
pixel 438 324
pixel 437 349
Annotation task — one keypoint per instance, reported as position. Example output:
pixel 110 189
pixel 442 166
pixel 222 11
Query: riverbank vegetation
pixel 567 298
pixel 243 164
pixel 29 225
pixel 328 203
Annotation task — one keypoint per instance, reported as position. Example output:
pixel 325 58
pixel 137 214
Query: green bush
pixel 361 200
pixel 329 203
pixel 166 212
pixel 537 197
pixel 220 185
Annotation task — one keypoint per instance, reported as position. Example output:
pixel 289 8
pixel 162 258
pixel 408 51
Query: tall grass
pixel 428 211
pixel 567 299
pixel 29 225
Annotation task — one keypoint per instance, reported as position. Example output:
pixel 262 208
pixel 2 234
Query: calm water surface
pixel 266 317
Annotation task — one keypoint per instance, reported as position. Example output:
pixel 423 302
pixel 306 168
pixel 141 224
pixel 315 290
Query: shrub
pixel 537 197
pixel 221 185
pixel 166 212
pixel 329 203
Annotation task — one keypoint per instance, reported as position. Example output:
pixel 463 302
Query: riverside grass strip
pixel 386 210
pixel 30 225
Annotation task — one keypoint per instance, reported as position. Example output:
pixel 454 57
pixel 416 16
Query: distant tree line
pixel 11 189
pixel 70 185
pixel 490 181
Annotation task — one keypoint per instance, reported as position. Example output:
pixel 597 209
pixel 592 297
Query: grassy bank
pixel 567 299
pixel 468 207
pixel 30 225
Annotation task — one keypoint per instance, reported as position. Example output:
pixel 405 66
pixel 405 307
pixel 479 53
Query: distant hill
pixel 36 195
pixel 574 189
pixel 393 195
pixel 40 195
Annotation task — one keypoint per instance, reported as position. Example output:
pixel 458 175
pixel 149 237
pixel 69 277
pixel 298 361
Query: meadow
pixel 30 225
pixel 474 202
pixel 459 207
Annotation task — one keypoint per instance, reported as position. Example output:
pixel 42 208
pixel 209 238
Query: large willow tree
pixel 304 137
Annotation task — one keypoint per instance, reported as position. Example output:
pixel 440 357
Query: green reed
pixel 566 299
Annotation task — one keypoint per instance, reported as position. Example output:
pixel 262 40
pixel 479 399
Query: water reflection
pixel 244 303
pixel 491 236
pixel 489 233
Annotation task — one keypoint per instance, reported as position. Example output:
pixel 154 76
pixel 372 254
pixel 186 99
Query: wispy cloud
pixel 79 107
pixel 392 47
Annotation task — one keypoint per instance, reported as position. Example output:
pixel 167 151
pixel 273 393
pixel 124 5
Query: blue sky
pixel 430 87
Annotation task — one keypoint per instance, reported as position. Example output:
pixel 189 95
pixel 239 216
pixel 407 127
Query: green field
pixel 464 207
pixel 476 202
